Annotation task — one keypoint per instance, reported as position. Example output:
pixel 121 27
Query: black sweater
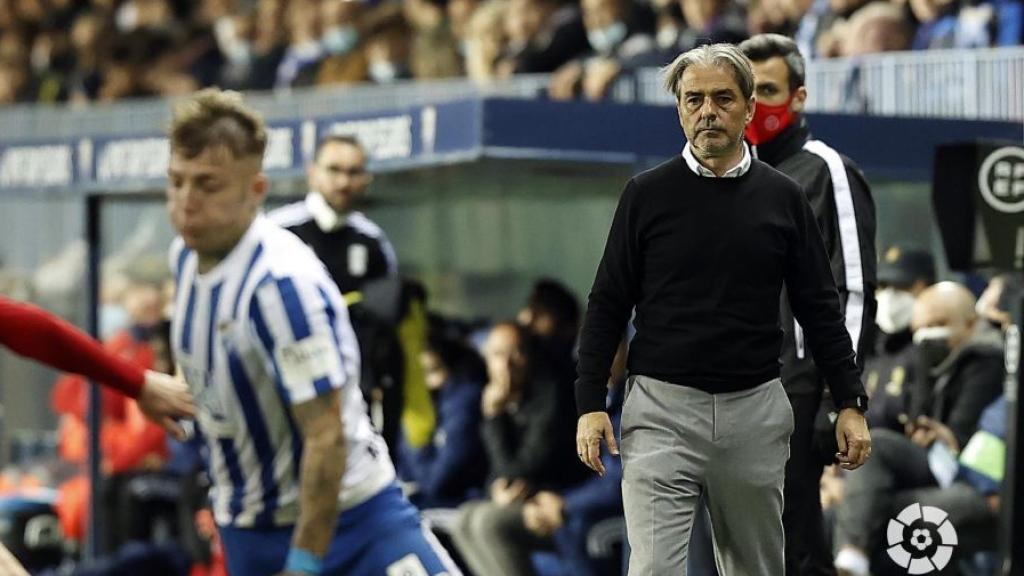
pixel 703 261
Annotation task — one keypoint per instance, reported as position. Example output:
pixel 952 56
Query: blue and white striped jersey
pixel 263 330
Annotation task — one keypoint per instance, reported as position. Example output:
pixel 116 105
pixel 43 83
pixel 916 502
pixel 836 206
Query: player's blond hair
pixel 213 118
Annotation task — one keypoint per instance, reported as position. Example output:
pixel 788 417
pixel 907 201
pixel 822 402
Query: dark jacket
pixel 889 379
pixel 449 470
pixel 841 200
pixel 959 389
pixel 536 441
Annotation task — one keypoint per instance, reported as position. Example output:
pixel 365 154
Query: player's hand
pixel 591 428
pixel 853 438
pixel 164 398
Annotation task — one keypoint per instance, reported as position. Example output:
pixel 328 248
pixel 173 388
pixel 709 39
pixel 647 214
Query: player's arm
pixel 323 465
pixel 35 333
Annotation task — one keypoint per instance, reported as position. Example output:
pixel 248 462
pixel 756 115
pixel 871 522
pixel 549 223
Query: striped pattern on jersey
pixel 263 330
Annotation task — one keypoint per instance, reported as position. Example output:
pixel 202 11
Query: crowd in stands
pixel 81 51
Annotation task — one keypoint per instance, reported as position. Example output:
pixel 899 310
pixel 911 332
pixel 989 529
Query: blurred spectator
pixel 566 518
pixel 435 50
pixel 342 38
pixel 552 314
pixel 617 30
pixel 878 27
pixel 529 442
pixel 485 40
pixel 543 35
pixel 448 471
pixel 889 371
pixel 960 372
pixel 304 49
pixel 460 12
pixel 1000 302
pixel 388 46
pixel 269 43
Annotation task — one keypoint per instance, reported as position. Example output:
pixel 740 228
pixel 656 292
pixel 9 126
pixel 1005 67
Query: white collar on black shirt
pixel 699 169
pixel 326 218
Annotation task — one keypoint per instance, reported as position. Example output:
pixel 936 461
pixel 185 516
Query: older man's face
pixel 712 110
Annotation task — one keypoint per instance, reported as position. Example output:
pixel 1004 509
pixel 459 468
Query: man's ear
pixel 799 99
pixel 750 110
pixel 260 185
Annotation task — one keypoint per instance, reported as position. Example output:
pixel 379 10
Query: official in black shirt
pixel 700 246
pixel 845 213
pixel 362 263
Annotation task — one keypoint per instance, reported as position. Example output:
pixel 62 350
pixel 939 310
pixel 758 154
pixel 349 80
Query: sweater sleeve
pixel 815 303
pixel 34 333
pixel 612 298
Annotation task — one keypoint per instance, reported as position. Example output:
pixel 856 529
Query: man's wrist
pixel 303 562
pixel 858 403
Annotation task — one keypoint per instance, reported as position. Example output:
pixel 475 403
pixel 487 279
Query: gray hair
pixel 711 56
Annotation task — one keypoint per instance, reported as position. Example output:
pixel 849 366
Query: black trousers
pixel 810 448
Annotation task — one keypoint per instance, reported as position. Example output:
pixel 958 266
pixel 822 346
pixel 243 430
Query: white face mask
pixel 895 308
pixel 604 40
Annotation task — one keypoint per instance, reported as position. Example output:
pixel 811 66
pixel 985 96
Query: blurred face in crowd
pixel 929 10
pixel 459 14
pixel 12 79
pixel 947 307
pixel 435 372
pixel 598 14
pixel 992 304
pixel 213 198
pixel 504 356
pixel 339 174
pixel 712 110
pixel 144 304
pixel 700 13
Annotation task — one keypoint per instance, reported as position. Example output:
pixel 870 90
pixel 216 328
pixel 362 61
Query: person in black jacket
pixel 845 213
pixel 700 247
pixel 528 440
pixel 362 262
pixel 960 372
pixel 449 470
pixel 889 370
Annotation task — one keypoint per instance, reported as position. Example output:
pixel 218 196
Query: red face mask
pixel 769 121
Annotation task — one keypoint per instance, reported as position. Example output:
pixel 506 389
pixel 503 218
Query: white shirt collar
pixel 699 169
pixel 325 217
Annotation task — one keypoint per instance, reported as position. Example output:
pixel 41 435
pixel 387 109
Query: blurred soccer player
pixel 264 340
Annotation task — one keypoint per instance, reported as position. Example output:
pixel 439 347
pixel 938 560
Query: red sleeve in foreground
pixel 34 333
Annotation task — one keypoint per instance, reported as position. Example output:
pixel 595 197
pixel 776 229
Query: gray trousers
pixel 679 443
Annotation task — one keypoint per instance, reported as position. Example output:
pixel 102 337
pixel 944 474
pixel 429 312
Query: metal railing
pixel 964 84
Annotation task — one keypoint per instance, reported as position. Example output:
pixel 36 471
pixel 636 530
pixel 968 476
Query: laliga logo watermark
pixel 921 539
pixel 1001 179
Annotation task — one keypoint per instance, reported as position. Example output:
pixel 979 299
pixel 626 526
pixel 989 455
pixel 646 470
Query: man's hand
pixel 505 491
pixel 853 438
pixel 598 78
pixel 495 396
pixel 565 80
pixel 164 398
pixel 591 428
pixel 927 430
pixel 542 515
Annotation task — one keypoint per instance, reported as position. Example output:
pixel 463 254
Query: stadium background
pixel 481 188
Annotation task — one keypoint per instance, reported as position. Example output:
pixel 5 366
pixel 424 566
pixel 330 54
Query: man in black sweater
pixel 845 213
pixel 701 246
